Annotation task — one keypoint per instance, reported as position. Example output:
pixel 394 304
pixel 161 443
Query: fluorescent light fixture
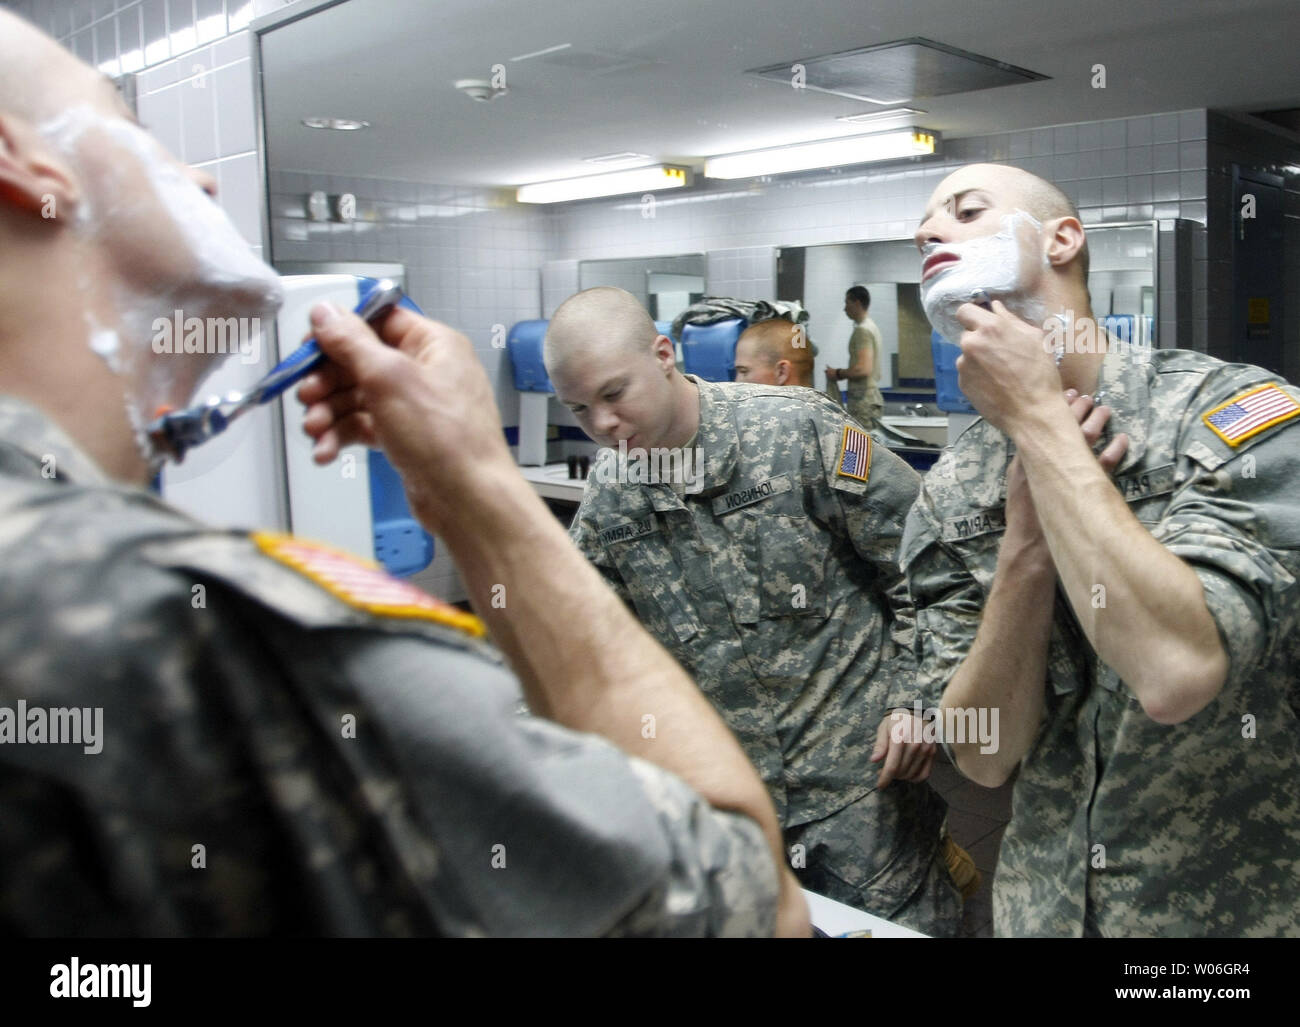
pixel 337 124
pixel 893 112
pixel 827 153
pixel 621 157
pixel 634 180
pixel 541 53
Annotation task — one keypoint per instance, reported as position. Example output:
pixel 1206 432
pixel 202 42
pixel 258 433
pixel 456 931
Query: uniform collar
pixel 1124 385
pixel 717 436
pixel 33 446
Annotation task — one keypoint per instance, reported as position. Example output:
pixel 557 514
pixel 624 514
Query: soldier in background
pixel 775 352
pixel 285 740
pixel 761 550
pixel 1135 632
pixel 866 403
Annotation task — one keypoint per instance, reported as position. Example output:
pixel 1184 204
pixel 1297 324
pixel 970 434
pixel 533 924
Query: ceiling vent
pixel 898 72
pixel 594 63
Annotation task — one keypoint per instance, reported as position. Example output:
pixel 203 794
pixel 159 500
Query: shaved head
pixel 764 345
pixel 605 319
pixel 1036 196
pixel 39 78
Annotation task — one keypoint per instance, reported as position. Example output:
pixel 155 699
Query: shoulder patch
pixel 362 584
pixel 1251 413
pixel 855 454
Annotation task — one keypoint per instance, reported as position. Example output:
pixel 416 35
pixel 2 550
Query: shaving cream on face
pixel 990 267
pixel 173 249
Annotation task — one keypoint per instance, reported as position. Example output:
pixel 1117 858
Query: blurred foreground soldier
pixel 1136 632
pixel 775 352
pixel 755 531
pixel 254 734
pixel 865 402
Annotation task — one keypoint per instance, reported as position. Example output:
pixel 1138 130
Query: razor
pixel 175 432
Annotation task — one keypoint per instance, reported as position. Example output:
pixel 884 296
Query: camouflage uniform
pixel 1200 825
pixel 865 402
pixel 775 582
pixel 225 713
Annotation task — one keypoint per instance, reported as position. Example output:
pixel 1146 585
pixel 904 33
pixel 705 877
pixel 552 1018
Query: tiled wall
pixel 195 85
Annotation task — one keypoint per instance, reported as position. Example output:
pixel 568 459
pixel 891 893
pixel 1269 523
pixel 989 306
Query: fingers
pixel 323 414
pixel 970 316
pixel 327 378
pixel 1110 457
pixel 890 769
pixel 355 429
pixel 350 344
pixel 883 730
pixel 1092 421
pixel 916 757
pixel 920 769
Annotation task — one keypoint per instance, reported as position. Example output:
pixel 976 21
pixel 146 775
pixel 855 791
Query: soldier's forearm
pixel 1007 666
pixel 1142 608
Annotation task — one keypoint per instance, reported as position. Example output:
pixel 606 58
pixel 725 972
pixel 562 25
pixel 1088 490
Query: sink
pixel 929 431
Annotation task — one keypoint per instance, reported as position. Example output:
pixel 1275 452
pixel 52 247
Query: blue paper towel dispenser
pixel 947 393
pixel 524 344
pixel 709 351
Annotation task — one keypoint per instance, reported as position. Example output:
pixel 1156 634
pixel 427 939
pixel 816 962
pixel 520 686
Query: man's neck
pixel 1080 364
pixel 686 412
pixel 46 360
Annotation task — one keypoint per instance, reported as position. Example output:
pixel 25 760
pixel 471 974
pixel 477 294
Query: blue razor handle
pixel 374 306
pixel 180 430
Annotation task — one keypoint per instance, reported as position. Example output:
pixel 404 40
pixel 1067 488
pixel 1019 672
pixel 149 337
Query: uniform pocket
pixel 654 580
pixel 792 567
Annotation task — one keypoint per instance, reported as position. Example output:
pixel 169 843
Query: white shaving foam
pixel 227 279
pixel 990 266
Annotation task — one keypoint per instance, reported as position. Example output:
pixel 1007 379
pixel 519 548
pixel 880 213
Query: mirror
pixel 889 270
pixel 1121 280
pixel 666 285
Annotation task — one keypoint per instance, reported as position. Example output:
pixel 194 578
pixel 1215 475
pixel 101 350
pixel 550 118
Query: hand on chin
pixel 1004 369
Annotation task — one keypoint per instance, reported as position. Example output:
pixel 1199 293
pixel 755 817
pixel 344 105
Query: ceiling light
pixel 616 158
pixel 634 180
pixel 337 124
pixel 893 112
pixel 827 153
pixel 542 53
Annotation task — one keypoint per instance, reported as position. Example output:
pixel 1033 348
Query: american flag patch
pixel 363 585
pixel 1251 413
pixel 855 454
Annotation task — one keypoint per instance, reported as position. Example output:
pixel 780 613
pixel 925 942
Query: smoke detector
pixel 479 89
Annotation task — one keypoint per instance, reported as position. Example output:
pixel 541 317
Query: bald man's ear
pixel 1065 240
pixel 32 178
pixel 665 352
pixel 784 372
